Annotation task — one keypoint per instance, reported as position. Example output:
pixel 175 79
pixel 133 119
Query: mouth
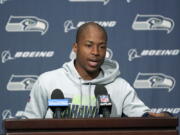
pixel 93 63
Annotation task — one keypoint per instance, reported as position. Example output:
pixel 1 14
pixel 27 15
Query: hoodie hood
pixel 110 71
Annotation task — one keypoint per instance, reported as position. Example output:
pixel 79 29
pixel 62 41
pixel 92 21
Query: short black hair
pixel 86 25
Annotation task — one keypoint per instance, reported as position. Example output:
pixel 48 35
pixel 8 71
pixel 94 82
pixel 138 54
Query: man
pixel 78 78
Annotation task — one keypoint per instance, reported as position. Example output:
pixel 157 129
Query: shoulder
pixel 121 82
pixel 51 75
pixel 120 85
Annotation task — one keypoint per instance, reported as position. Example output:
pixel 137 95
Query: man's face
pixel 90 51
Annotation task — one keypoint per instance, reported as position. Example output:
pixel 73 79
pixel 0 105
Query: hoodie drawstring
pixel 80 92
pixel 89 94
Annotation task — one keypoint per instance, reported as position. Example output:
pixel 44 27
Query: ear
pixel 75 46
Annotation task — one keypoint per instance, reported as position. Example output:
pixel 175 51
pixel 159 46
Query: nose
pixel 95 50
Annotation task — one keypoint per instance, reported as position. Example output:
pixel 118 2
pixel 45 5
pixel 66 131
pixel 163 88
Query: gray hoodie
pixel 81 93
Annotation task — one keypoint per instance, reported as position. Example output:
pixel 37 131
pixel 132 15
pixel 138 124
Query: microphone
pixel 103 100
pixel 58 103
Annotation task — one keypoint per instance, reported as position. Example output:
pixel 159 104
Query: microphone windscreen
pixel 57 94
pixel 100 90
pixel 103 100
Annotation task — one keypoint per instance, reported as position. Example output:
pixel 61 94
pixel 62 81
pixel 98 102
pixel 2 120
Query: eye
pixel 29 22
pixel 103 46
pixel 89 45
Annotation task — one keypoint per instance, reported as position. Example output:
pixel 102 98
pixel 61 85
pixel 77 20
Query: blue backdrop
pixel 37 36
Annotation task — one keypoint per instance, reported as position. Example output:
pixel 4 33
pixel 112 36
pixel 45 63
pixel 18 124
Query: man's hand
pixel 162 114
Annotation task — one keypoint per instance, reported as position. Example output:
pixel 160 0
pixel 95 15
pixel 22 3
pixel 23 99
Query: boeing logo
pixel 171 110
pixel 27 24
pixel 105 2
pixel 69 25
pixel 133 53
pixel 6 55
pixel 154 81
pixel 6 114
pixel 152 22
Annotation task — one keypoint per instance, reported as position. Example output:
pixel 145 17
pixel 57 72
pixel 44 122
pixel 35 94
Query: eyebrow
pixel 88 41
pixel 91 42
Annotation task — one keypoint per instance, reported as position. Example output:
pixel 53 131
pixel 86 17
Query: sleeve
pixel 133 106
pixel 37 105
